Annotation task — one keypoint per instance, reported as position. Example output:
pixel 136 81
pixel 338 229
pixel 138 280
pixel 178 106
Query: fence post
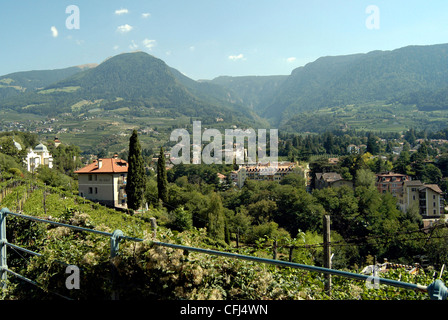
pixel 327 252
pixel 44 199
pixel 154 228
pixel 3 262
pixel 238 238
pixel 115 242
pixel 114 246
pixel 274 253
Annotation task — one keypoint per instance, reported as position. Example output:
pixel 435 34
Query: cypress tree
pixel 135 185
pixel 162 182
pixel 215 218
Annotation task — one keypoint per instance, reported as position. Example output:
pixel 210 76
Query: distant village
pixel 104 180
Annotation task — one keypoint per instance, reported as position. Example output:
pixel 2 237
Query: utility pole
pixel 275 250
pixel 327 252
pixel 238 238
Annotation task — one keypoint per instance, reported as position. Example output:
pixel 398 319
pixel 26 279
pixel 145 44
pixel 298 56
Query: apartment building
pixel 265 171
pixel 431 202
pixel 391 182
pixel 428 198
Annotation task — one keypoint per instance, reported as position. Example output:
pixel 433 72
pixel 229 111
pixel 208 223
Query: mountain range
pixel 414 76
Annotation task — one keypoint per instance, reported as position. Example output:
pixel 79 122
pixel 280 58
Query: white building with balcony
pixel 39 156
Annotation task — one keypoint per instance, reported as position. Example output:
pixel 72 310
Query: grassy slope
pixel 163 272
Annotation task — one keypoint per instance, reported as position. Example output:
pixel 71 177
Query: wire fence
pixel 436 290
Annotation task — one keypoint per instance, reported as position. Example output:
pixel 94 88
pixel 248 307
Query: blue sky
pixel 209 38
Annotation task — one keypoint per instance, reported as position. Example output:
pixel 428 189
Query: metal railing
pixel 436 290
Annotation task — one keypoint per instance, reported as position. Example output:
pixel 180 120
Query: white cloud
pixel 192 48
pixel 146 15
pixel 133 45
pixel 116 47
pixel 54 31
pixel 124 28
pixel 237 57
pixel 291 59
pixel 149 43
pixel 121 11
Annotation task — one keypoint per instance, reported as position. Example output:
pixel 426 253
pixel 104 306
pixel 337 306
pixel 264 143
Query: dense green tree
pixel 442 164
pixel 437 247
pixel 432 174
pixel 403 163
pixel 297 209
pixel 359 163
pixel 181 219
pixel 7 162
pixel 329 142
pixel 409 136
pixel 342 206
pixel 239 221
pixel 365 177
pixel 66 158
pixel 418 167
pixel 215 218
pixel 372 146
pixel 54 178
pixel 345 173
pixel 444 186
pixel 8 147
pixel 162 182
pixel 151 191
pixel 294 179
pixel 263 210
pixel 135 186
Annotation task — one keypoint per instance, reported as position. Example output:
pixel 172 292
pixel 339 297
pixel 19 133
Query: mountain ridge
pixel 137 81
pixel 411 75
pixel 377 75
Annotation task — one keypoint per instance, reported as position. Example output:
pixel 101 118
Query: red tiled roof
pixel 109 165
pixel 390 176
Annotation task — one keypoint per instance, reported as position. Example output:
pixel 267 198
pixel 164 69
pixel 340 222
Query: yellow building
pixel 265 171
pixel 428 198
pixel 104 181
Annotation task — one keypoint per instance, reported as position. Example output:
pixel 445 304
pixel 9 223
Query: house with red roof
pixel 104 181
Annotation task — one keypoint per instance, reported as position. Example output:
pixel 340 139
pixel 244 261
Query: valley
pixel 93 106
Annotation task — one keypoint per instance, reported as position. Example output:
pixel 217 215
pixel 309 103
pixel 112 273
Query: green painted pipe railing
pixel 436 290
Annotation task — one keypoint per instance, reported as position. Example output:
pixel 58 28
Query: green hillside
pixel 251 91
pixel 360 79
pixel 137 82
pixel 15 83
pixel 381 90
